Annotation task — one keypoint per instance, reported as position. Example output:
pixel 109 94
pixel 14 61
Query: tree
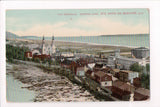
pixel 136 67
pixel 145 80
pixel 148 67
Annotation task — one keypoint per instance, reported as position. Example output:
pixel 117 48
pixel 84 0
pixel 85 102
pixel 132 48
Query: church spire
pixel 43 40
pixel 53 37
pixel 43 37
pixel 52 40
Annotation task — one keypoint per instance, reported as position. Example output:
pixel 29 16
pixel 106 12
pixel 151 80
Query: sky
pixel 77 22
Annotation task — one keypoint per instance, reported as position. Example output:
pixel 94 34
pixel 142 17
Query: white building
pixel 80 71
pixel 124 62
pixel 127 76
pixel 48 49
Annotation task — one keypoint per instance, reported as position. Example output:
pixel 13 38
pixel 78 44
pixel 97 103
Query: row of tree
pixel 13 52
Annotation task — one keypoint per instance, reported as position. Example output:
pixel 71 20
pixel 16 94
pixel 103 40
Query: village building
pixel 76 65
pixel 121 62
pixel 89 66
pixel 28 54
pixel 127 76
pixel 140 52
pixel 66 54
pixel 106 69
pixel 103 79
pixel 122 91
pixel 80 71
pixel 42 57
pixel 141 94
pixel 115 72
pixel 137 82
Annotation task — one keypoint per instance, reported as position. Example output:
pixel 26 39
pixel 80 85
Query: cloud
pixel 84 27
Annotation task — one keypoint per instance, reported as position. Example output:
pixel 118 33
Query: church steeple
pixel 43 40
pixel 52 37
pixel 43 46
pixel 52 40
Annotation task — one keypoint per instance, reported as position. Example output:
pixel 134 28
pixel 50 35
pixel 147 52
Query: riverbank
pixel 48 87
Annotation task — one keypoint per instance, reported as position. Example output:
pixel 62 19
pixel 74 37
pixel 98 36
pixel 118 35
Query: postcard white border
pixel 154 8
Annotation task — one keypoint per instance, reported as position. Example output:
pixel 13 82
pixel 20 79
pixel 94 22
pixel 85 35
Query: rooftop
pixel 116 70
pixel 122 85
pixel 126 71
pixel 141 48
pixel 100 73
pixel 130 59
pixel 143 91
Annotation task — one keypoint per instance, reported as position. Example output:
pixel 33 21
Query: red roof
pixel 143 91
pixel 122 85
pixel 103 76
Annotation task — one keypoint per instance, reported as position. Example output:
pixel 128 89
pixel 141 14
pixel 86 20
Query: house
pixel 98 65
pixel 115 72
pixel 89 66
pixel 42 57
pixel 28 54
pixel 141 94
pixel 69 63
pixel 137 82
pixel 103 79
pixel 122 90
pixel 127 76
pixel 89 73
pixel 67 55
pixel 80 71
pixel 106 69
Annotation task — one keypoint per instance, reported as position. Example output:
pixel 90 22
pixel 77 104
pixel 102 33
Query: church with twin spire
pixel 48 49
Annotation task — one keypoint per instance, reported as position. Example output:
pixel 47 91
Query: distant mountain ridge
pixel 10 35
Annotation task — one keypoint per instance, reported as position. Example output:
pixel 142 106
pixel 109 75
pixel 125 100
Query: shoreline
pixel 84 43
pixel 96 44
pixel 48 86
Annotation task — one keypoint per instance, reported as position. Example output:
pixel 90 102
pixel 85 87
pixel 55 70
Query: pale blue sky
pixel 47 22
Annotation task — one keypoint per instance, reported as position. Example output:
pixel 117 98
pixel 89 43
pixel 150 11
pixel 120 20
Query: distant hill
pixel 35 37
pixel 31 37
pixel 11 35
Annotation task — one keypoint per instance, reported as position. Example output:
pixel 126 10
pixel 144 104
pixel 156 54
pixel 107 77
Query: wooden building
pixel 103 78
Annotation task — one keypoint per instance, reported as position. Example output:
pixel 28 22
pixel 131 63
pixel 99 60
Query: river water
pixel 14 92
